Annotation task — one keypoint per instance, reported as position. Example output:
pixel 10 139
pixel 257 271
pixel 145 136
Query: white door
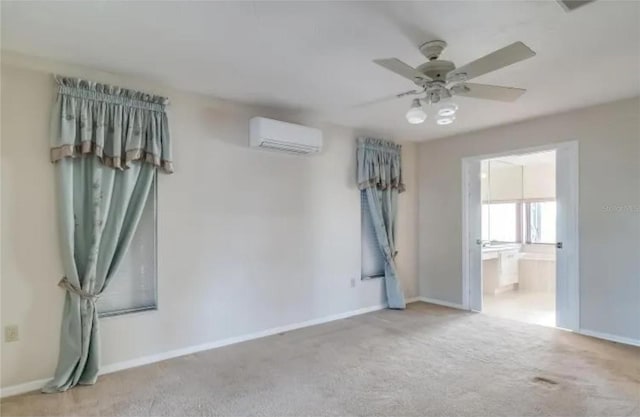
pixel 472 297
pixel 567 262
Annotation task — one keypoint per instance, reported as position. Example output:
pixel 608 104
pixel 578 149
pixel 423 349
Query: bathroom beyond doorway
pixel 514 243
pixel 519 237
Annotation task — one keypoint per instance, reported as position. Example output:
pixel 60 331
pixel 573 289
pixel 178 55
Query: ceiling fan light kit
pixel 439 80
pixel 416 114
pixel 443 121
pixel 447 109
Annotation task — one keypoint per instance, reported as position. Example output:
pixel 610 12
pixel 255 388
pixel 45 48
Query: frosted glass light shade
pixel 416 115
pixel 447 109
pixel 445 120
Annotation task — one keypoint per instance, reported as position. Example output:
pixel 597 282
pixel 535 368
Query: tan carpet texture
pixel 425 361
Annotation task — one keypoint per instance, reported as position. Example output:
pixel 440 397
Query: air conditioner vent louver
pixel 279 136
pixel 284 147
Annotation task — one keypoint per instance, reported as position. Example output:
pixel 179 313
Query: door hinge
pixel 559 245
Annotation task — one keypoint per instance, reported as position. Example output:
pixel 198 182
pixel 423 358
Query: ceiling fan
pixel 439 80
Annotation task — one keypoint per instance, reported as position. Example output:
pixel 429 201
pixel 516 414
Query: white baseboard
pixel 585 332
pixel 441 303
pixel 145 360
pixel 22 388
pixel 610 337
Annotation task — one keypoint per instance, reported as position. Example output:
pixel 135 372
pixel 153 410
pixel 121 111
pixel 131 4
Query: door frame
pixel 569 289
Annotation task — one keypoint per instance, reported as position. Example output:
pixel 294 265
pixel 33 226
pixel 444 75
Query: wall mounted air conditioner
pixel 274 135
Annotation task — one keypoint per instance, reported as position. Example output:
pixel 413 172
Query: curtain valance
pixel 379 164
pixel 117 125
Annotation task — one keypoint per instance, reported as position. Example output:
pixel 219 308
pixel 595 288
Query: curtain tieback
pixel 64 283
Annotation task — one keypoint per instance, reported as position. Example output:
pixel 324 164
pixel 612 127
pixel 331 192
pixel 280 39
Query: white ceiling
pixel 315 57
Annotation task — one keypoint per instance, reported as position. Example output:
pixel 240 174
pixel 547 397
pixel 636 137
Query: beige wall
pixel 248 240
pixel 609 158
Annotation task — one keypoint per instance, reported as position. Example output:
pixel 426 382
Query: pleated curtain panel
pixel 107 143
pixel 379 175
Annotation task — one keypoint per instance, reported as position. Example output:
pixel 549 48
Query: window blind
pixel 134 287
pixel 372 258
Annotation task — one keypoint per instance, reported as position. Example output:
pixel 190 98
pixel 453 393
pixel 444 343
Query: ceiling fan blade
pixel 508 55
pixel 400 68
pixel 386 98
pixel 489 92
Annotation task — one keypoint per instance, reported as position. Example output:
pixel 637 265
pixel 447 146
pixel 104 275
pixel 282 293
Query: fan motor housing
pixel 433 49
pixel 437 69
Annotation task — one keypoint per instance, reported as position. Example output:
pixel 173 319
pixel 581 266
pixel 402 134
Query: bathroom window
pixel 541 222
pixel 501 222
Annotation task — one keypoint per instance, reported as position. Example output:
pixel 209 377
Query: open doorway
pixel 519 237
pixel 516 264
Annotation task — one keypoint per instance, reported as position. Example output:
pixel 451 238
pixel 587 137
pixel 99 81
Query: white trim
pixel 568 259
pixel 470 299
pixel 22 388
pixel 145 360
pixel 584 332
pixel 610 337
pixel 441 303
pixel 572 296
pixel 519 151
pixel 466 262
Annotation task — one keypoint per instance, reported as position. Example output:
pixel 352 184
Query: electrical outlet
pixel 353 282
pixel 11 334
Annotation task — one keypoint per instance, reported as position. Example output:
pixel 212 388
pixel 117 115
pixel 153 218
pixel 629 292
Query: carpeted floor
pixel 427 360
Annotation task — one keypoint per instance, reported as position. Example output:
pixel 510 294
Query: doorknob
pixel 559 245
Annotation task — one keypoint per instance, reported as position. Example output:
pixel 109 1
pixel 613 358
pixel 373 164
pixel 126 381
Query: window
pixel 541 221
pixel 501 222
pixel 508 222
pixel 372 258
pixel 133 288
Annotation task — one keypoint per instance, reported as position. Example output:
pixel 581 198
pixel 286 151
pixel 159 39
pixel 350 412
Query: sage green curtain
pixel 379 175
pixel 107 143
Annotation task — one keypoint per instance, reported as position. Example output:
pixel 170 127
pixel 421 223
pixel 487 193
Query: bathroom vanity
pixel 512 266
pixel 500 267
